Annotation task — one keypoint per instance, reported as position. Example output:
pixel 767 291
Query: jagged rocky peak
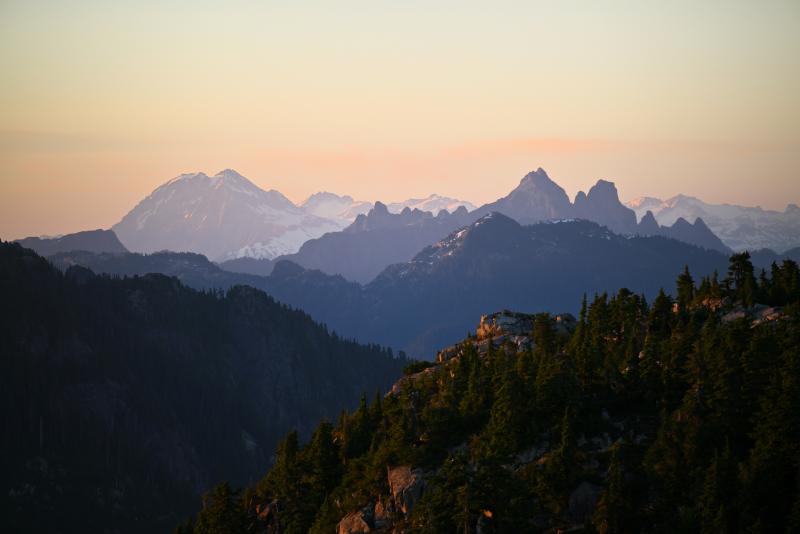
pixel 603 206
pixel 701 224
pixel 537 177
pixel 605 190
pixel 379 209
pixel 536 198
pixel 648 225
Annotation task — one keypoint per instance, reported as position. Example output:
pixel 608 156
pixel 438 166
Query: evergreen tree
pixel 222 513
pixel 615 512
pixel 740 274
pixel 686 290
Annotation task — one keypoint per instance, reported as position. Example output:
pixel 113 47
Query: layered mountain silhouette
pixel 90 241
pixel 697 234
pixel 139 393
pixel 373 242
pixel 497 263
pixel 432 203
pixel 380 238
pixel 739 227
pixel 430 301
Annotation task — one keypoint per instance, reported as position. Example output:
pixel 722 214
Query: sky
pixel 100 102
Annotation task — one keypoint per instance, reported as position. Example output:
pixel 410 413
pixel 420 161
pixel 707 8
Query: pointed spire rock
pixel 648 225
pixel 602 205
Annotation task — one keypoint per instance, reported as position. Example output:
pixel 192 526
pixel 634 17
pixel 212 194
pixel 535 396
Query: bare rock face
pixel 582 501
pixel 504 323
pixel 406 486
pixel 382 514
pixel 354 523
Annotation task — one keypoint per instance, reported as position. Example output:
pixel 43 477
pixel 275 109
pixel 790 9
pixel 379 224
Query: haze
pixel 101 103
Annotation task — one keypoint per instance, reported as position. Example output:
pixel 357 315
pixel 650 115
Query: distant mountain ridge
pixel 538 198
pixel 739 227
pixel 376 240
pixel 433 203
pixel 430 300
pixel 380 238
pixel 91 241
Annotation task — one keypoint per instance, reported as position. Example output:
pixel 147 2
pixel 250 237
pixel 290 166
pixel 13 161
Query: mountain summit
pixel 536 198
pixel 223 216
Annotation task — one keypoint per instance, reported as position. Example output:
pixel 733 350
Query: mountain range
pixel 739 227
pixel 378 239
pixel 91 241
pixel 429 301
pixel 226 216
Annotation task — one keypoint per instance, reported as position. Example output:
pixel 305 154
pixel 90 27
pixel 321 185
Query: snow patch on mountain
pixel 222 217
pixel 433 203
pixel 739 227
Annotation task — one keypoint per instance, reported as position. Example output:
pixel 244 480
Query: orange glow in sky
pixel 101 102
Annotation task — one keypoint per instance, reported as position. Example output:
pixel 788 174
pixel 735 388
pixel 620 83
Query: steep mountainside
pixel 222 217
pixel 739 227
pixel 91 241
pixel 124 398
pixel 678 415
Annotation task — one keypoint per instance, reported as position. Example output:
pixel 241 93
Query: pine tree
pixel 740 274
pixel 686 289
pixel 222 513
pixel 614 512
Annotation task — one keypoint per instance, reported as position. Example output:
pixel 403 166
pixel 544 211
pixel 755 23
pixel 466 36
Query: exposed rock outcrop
pixel 406 486
pixel 354 523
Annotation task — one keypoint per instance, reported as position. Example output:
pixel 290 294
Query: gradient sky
pixel 100 102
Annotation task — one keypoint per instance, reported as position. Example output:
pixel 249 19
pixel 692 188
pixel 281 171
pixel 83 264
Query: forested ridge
pixel 676 415
pixel 123 399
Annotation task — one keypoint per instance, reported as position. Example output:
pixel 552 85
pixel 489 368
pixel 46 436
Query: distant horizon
pixel 299 201
pixel 104 101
